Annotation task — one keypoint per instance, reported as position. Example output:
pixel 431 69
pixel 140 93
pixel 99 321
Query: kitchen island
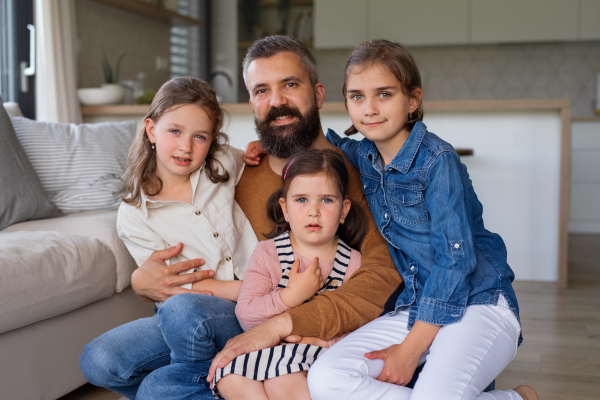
pixel 519 167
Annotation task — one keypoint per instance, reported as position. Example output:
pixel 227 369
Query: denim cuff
pixel 439 313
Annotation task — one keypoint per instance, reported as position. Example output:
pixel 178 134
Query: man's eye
pixel 260 91
pixel 291 84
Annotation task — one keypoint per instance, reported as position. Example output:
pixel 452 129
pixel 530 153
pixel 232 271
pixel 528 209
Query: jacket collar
pixel 405 157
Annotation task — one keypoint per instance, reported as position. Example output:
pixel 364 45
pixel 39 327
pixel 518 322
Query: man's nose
pixel 277 98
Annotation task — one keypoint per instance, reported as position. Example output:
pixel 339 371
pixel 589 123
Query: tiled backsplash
pixel 524 71
pixel 101 27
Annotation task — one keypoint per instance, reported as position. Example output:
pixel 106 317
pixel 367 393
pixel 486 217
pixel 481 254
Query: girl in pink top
pixel 314 220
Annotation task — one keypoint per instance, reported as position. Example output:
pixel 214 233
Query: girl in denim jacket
pixel 458 310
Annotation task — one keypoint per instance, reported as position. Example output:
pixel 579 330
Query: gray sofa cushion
pixel 101 225
pixel 80 166
pixel 45 274
pixel 21 195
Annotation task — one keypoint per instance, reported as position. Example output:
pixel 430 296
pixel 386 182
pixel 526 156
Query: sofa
pixel 64 272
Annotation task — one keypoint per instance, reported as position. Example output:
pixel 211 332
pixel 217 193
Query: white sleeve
pixel 140 240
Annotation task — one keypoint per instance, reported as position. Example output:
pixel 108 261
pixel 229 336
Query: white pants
pixel 463 359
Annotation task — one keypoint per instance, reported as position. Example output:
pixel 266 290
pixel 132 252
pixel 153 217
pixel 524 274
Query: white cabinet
pixel 340 24
pixel 589 20
pixel 506 21
pixel 346 23
pixel 418 23
pixel 584 207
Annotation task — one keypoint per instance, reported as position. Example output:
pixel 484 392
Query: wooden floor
pixel 560 356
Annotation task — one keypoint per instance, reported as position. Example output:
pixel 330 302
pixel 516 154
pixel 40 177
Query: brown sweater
pixel 354 303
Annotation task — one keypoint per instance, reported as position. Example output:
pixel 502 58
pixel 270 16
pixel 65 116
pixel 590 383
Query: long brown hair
pixel 141 161
pixel 397 60
pixel 318 162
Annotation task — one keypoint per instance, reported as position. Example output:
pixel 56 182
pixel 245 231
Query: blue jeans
pixel 187 332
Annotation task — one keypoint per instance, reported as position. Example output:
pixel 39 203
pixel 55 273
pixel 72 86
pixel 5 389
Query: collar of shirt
pixel 405 157
pixel 149 203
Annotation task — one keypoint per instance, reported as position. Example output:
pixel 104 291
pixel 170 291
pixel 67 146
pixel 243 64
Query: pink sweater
pixel 259 298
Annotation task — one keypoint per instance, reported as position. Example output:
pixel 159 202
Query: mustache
pixel 282 111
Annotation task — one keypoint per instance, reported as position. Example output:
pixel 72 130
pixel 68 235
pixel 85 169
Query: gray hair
pixel 272 45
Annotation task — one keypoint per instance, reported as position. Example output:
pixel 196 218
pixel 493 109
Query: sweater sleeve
pixel 363 297
pixel 259 298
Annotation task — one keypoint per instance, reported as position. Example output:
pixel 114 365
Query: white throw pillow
pixel 80 166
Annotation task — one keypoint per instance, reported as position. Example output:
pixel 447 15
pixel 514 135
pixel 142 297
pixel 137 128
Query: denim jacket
pixel 425 207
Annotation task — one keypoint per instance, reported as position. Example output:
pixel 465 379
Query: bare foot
pixel 526 392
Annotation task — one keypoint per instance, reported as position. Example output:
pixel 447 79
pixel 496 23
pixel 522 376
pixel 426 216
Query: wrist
pixel 282 324
pixel 289 298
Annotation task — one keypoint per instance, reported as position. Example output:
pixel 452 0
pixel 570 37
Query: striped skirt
pixel 269 363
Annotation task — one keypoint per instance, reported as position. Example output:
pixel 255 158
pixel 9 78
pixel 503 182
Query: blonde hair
pixel 141 160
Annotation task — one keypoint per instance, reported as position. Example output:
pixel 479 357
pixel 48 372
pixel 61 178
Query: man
pixel 285 95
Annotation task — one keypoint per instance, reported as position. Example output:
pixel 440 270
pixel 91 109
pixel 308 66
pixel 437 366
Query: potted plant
pixel 110 92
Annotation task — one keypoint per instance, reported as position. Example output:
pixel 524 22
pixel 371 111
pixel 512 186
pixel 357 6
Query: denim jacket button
pixel 412 268
pixel 385 215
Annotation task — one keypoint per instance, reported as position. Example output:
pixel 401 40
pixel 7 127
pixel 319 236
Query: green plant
pixel 107 70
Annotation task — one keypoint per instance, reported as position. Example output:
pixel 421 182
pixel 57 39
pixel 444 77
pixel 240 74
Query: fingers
pixel 295 267
pixel 168 253
pixel 293 339
pixel 376 355
pixel 187 265
pixel 314 265
pixel 181 290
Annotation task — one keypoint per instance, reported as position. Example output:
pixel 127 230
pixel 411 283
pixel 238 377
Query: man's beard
pixel 286 140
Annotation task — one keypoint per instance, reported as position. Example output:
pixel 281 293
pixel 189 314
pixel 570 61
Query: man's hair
pixel 272 45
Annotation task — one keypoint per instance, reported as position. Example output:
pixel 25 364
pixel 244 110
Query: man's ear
pixel 320 93
pixel 150 129
pixel 283 207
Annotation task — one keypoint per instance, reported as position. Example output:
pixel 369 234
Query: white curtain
pixel 56 81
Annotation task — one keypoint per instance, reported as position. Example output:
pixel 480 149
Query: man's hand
pixel 269 334
pixel 156 280
pixel 313 340
pixel 302 285
pixel 253 154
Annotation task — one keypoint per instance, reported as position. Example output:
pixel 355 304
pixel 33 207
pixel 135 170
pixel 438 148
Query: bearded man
pixel 285 95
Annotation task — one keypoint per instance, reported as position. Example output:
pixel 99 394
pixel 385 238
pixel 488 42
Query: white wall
pixel 515 171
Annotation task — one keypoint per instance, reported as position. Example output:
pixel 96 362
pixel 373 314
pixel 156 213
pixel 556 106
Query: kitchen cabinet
pixel 152 11
pixel 590 20
pixel 419 23
pixel 340 23
pixel 513 21
pixel 584 215
pixel 345 24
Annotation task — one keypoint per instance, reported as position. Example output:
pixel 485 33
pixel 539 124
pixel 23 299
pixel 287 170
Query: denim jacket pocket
pixel 408 205
pixel 369 187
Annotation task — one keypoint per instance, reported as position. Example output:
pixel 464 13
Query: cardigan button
pixel 227 258
pixel 215 234
pixel 197 213
pixel 334 283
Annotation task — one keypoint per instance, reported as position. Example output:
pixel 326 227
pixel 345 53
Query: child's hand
pixel 400 360
pixel 302 285
pixel 253 154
